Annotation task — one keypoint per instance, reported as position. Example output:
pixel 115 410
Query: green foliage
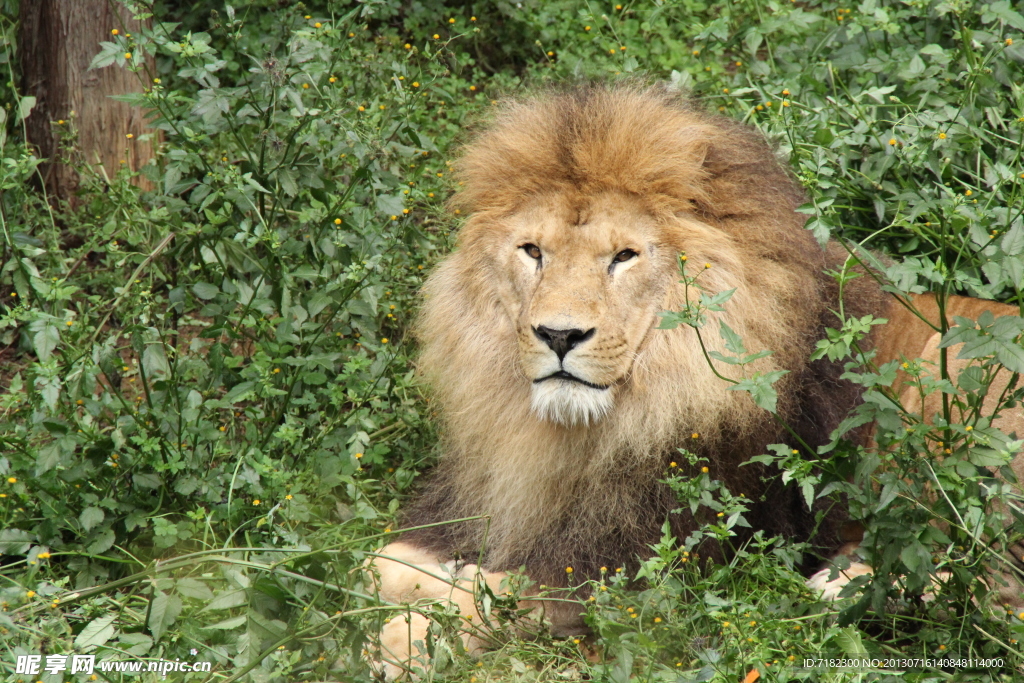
pixel 208 411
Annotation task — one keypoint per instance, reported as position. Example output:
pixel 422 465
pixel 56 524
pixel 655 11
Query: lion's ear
pixel 743 177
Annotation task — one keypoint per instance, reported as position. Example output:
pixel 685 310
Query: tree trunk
pixel 58 39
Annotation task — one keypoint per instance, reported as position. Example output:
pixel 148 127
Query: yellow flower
pixel 337 221
pixel 739 63
pixel 307 17
pixel 622 47
pixel 362 108
pixel 305 86
pixel 114 31
pixel 415 84
pixel 969 428
pixel 618 7
pixel 892 141
pixel 384 340
pixel 332 79
pixel 795 452
pixel 288 497
pixel 394 218
pixel 704 470
pixel 785 103
pixel 472 18
pixel 357 456
pixel 43 555
pixel 721 514
pixel 256 502
pixel 568 570
pixel 436 37
pixel 452 20
pixel 405 210
pixel 942 136
pixel 785 92
pixel 969 193
pixel 351 35
pixel 316 25
pixel 127 55
pixel 12 480
pixel 1009 41
pixel 657 620
pixel 30 594
pixel 695 435
pixel 672 464
pixel 407 46
pixel 696 53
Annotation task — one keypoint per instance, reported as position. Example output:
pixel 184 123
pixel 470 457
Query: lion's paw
pixel 402 644
pixel 830 589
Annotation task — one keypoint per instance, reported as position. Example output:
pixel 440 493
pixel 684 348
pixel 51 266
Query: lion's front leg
pixel 405 574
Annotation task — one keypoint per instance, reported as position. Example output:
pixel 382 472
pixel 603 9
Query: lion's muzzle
pixel 562 341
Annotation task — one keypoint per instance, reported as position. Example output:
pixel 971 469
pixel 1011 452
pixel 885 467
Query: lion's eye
pixel 624 255
pixel 532 250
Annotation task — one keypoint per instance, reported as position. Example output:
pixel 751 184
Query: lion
pixel 562 404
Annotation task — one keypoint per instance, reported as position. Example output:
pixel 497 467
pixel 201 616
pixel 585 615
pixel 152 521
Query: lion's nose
pixel 562 341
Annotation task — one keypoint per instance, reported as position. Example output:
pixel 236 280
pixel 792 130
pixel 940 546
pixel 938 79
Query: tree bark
pixel 58 39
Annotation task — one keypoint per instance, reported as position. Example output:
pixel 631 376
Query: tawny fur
pixel 589 496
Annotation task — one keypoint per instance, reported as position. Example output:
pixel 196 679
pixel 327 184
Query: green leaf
pixel 193 588
pixel 227 600
pixel 25 106
pixel 733 342
pixel 761 389
pixel 90 517
pixel 46 337
pixel 96 633
pixel 986 457
pixel 108 53
pixel 102 541
pixel 227 624
pixel 163 611
pixel 205 290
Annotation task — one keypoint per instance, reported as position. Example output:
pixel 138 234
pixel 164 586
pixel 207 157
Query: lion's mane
pixel 589 496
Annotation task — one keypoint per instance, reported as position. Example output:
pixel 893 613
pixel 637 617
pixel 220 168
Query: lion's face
pixel 584 288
